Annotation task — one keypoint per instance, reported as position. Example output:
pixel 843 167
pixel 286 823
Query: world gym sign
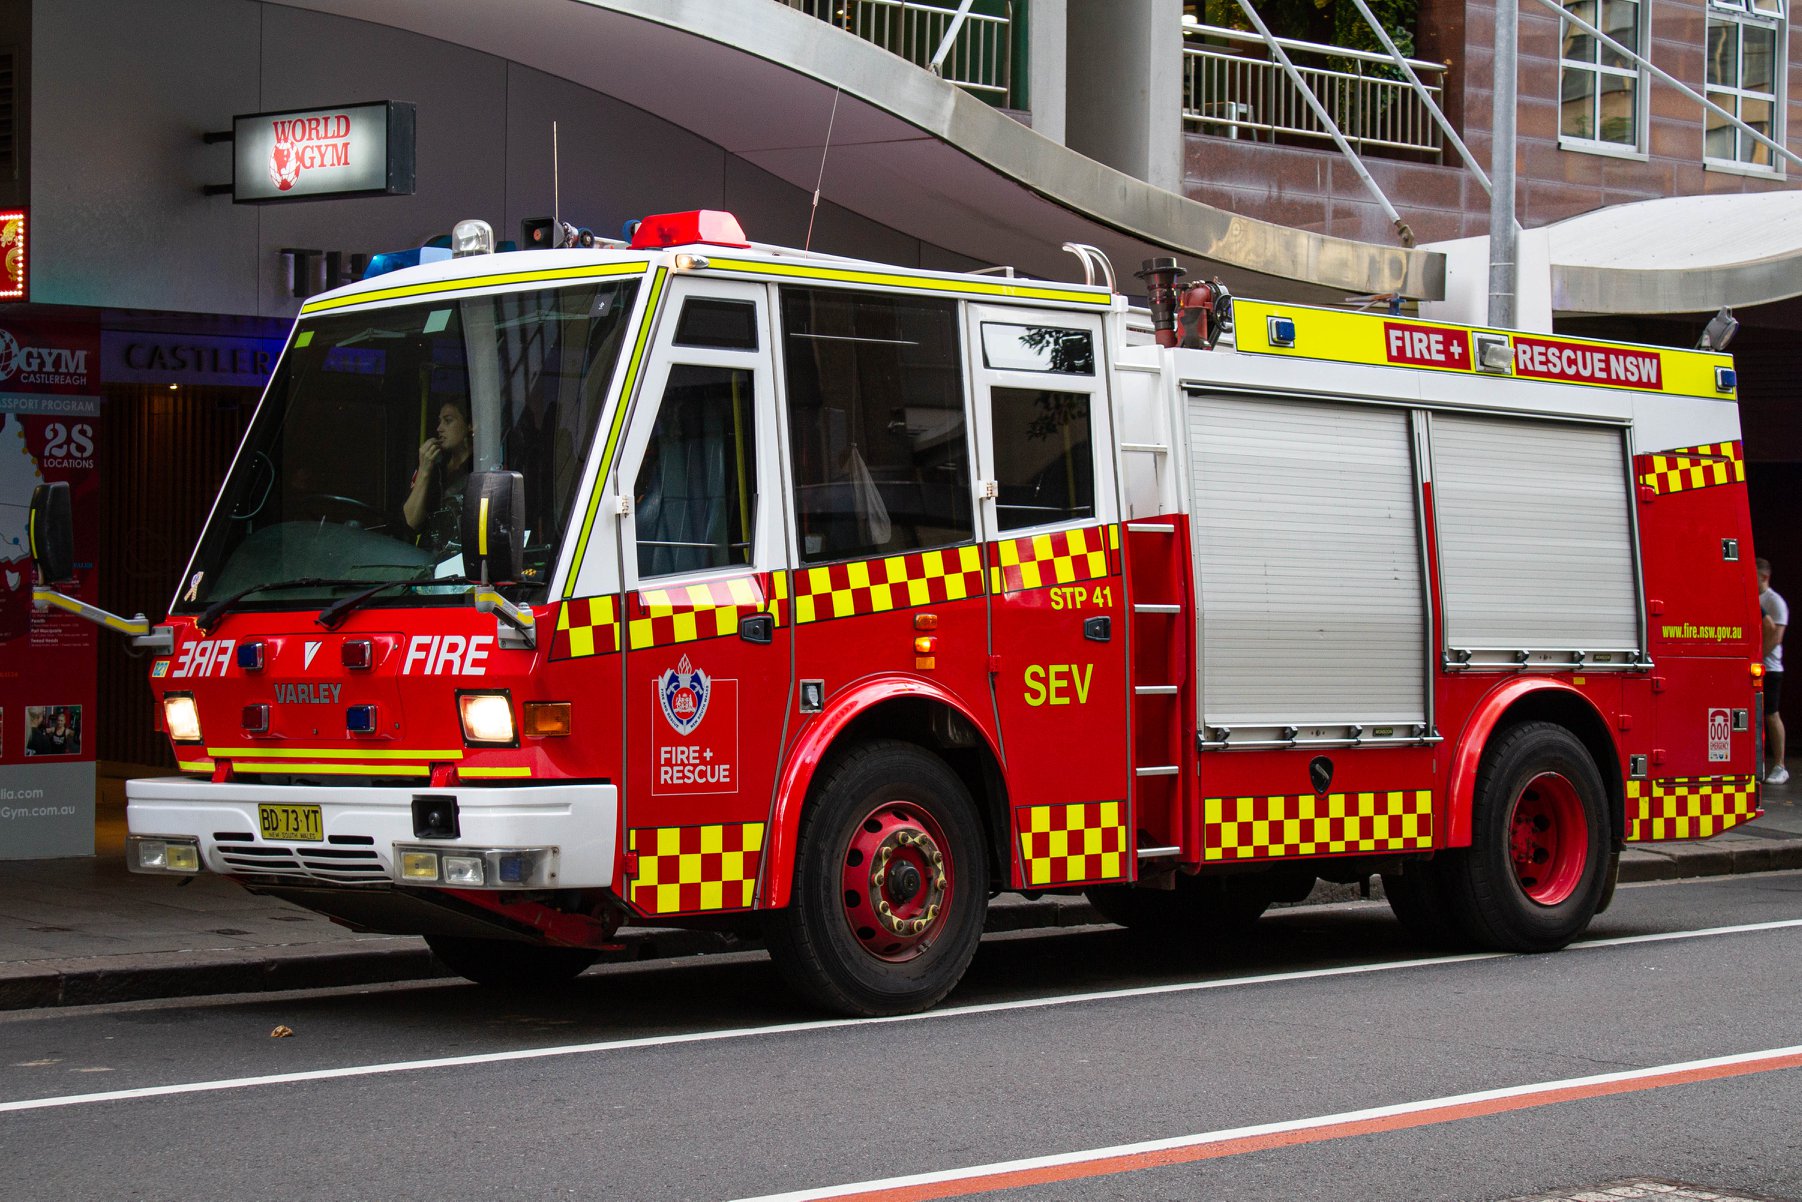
pixel 316 154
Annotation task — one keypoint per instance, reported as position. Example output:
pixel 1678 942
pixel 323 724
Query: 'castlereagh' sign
pixel 318 154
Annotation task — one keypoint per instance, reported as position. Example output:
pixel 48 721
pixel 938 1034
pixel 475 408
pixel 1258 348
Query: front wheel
pixel 890 885
pixel 508 963
pixel 1536 869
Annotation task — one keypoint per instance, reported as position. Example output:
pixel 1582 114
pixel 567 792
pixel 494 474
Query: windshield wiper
pixel 218 609
pixel 333 615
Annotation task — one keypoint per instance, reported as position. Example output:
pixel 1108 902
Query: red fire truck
pixel 692 581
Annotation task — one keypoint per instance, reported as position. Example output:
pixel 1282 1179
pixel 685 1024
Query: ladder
pixel 1162 677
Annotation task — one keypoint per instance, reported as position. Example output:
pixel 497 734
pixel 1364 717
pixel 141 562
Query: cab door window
pixel 695 497
pixel 877 424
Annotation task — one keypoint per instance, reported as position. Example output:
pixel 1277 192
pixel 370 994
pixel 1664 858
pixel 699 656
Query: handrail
pixel 1252 39
pixel 970 49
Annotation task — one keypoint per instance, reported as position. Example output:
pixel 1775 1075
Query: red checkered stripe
pixel 1689 468
pixel 1061 557
pixel 1695 807
pixel 1074 844
pixel 586 626
pixel 694 869
pixel 873 586
pixel 665 617
pixel 1312 824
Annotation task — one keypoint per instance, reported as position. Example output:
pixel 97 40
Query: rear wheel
pixel 890 885
pixel 508 963
pixel 1537 866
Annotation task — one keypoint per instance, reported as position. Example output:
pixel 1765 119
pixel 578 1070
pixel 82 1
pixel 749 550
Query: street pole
pixel 1504 245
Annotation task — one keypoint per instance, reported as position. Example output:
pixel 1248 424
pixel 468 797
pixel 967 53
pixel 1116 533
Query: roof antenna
pixel 556 190
pixel 814 211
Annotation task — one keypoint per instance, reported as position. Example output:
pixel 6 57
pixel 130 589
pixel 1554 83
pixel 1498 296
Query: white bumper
pixel 362 825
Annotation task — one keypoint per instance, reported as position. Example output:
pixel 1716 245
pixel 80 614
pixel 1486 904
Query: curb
pixel 110 979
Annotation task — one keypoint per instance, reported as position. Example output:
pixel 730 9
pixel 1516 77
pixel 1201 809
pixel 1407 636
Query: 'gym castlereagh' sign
pixel 319 154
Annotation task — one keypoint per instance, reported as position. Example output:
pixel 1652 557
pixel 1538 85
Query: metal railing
pixel 1232 86
pixel 978 57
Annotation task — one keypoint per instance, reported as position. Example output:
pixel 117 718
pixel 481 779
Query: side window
pixel 877 424
pixel 695 498
pixel 1044 459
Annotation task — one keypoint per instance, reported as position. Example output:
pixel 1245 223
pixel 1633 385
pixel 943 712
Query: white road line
pixel 833 1024
pixel 1011 1174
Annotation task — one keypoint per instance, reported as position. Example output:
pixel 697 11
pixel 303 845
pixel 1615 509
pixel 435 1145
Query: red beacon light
pixel 686 229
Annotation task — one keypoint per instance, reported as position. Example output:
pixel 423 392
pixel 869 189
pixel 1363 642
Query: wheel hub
pixel 1548 840
pixel 897 881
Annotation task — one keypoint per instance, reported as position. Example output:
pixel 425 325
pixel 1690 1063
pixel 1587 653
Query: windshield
pixel 354 470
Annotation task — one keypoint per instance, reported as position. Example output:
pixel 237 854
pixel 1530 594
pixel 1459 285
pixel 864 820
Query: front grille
pixel 340 865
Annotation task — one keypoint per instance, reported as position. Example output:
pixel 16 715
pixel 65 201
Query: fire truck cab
pixel 692 581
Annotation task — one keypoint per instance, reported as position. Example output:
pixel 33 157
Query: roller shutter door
pixel 1535 535
pixel 1308 551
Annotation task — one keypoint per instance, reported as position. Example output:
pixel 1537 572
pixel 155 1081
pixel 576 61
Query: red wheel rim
pixel 896 881
pixel 1548 839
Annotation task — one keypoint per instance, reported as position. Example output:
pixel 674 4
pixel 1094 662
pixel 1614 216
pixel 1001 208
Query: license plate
pixel 291 824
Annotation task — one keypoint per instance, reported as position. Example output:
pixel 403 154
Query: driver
pixel 434 504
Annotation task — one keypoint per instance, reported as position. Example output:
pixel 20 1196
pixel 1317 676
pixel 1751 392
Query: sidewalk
pixel 85 931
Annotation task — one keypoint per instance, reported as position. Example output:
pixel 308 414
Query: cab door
pixel 707 650
pixel 1057 608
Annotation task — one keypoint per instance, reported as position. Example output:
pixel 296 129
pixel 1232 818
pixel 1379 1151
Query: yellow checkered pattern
pixel 1693 467
pixel 1310 824
pixel 693 869
pixel 1062 557
pixel 700 611
pixel 587 626
pixel 1688 807
pixel 1073 844
pixel 873 586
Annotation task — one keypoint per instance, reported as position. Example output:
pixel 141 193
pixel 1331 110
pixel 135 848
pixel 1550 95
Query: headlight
pixel 181 717
pixel 487 718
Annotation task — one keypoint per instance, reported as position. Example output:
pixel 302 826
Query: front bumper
pixel 362 827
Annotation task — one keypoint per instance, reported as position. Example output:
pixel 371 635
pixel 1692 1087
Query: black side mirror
pixel 52 530
pixel 494 545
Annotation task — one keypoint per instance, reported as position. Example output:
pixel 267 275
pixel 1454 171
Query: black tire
pixel 889 825
pixel 1417 898
pixel 1211 907
pixel 1504 897
pixel 508 963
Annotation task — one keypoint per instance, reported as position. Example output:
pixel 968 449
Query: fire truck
pixel 691 581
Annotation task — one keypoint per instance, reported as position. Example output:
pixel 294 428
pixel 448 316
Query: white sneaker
pixel 1777 776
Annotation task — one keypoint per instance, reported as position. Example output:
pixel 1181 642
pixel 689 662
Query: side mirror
pixel 494 506
pixel 52 530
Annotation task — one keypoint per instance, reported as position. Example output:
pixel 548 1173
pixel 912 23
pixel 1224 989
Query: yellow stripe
pixel 336 769
pixel 194 765
pixel 482 529
pixel 619 418
pixel 501 280
pixel 329 753
pixel 478 773
pixel 895 279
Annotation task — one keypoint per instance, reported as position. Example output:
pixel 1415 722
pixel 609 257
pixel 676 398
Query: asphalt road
pixel 704 1081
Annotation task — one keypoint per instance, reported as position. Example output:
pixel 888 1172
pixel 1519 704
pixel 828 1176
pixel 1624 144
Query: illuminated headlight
pixel 181 717
pixel 162 855
pixel 487 718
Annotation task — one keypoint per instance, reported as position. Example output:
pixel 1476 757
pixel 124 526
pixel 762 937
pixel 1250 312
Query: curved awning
pixel 908 150
pixel 1679 254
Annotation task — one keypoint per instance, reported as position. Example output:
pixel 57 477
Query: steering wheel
pixel 320 503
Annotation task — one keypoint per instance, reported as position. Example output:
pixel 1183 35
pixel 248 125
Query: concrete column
pixel 1047 65
pixel 1125 87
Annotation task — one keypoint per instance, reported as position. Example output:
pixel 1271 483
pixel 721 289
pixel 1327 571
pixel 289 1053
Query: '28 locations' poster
pixel 49 431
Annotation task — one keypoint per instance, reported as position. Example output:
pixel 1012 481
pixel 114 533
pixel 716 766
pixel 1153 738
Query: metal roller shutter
pixel 1308 549
pixel 1535 536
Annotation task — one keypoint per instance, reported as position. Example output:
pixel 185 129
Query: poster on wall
pixel 49 431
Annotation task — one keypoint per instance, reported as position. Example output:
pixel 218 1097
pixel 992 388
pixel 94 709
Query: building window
pixel 1601 90
pixel 1746 67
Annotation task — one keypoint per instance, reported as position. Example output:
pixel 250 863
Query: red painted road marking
pixel 1128 1158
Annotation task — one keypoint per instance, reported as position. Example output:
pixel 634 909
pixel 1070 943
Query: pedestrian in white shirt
pixel 1776 621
